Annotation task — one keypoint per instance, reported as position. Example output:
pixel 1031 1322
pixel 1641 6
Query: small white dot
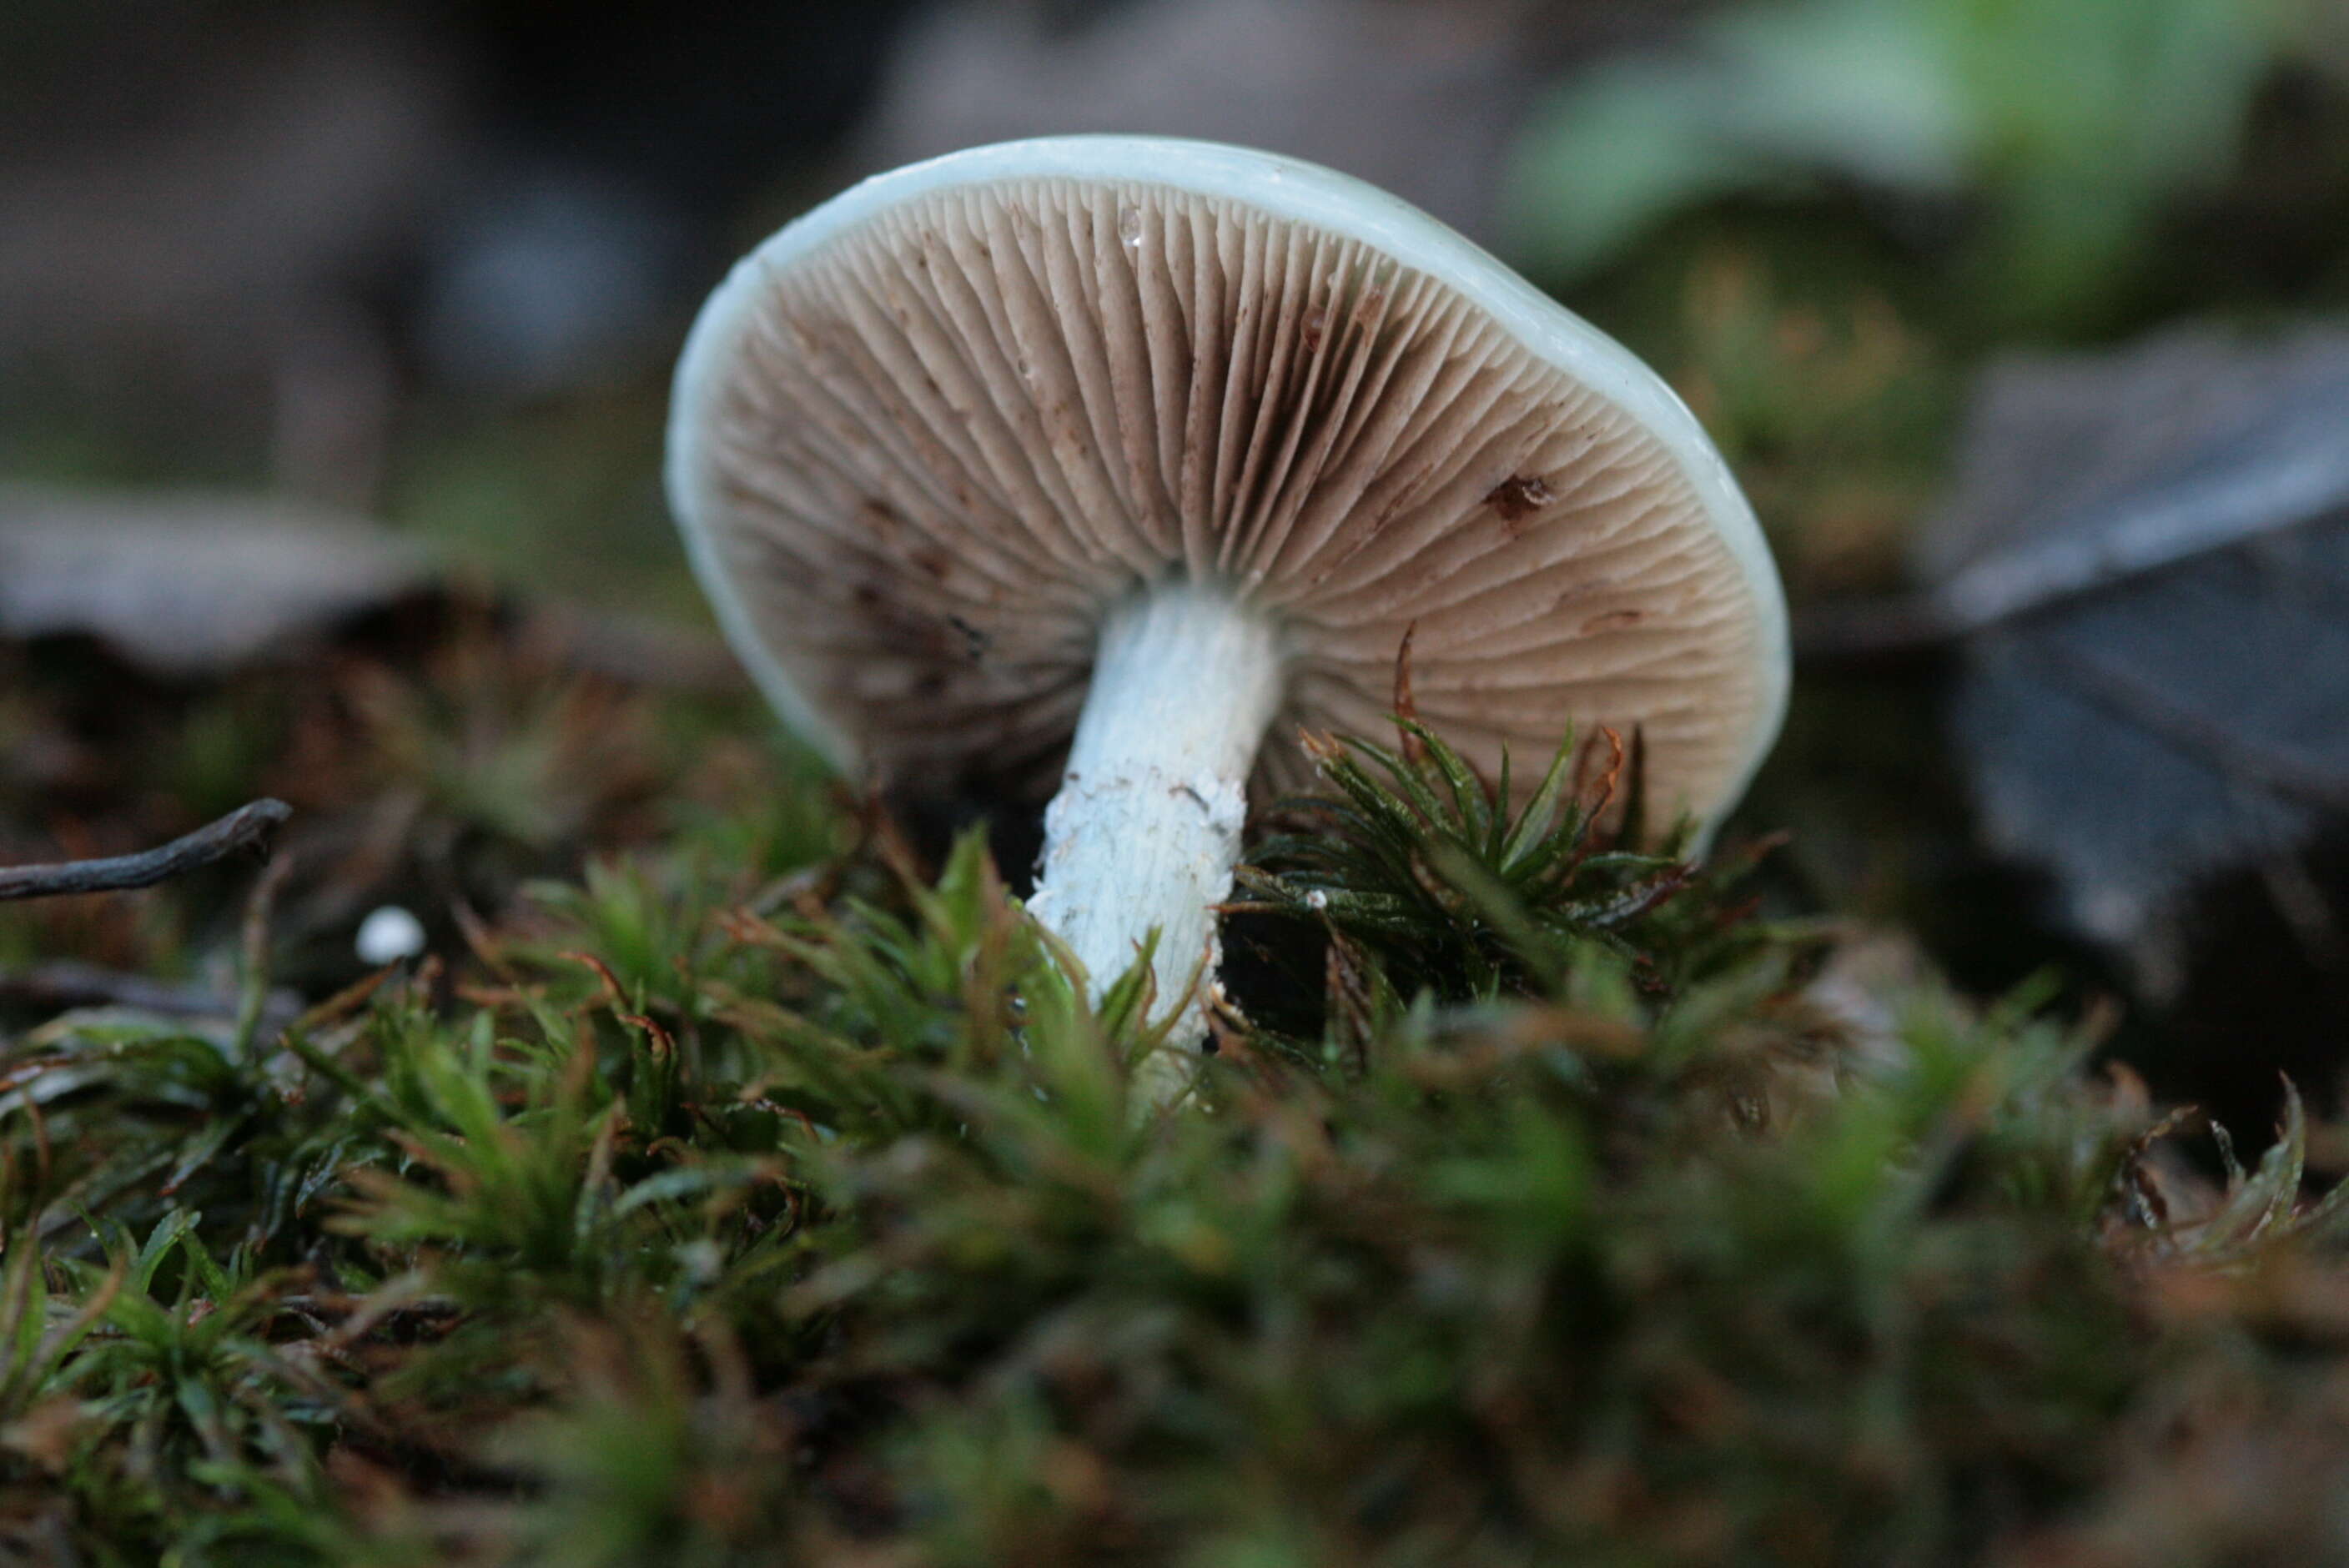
pixel 1316 898
pixel 388 935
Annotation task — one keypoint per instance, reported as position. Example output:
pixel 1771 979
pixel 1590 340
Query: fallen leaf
pixel 2147 560
pixel 188 585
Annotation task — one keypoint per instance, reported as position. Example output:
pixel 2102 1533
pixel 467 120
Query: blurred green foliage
pixel 558 499
pixel 2065 129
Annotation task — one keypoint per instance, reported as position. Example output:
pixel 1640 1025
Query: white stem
pixel 1146 828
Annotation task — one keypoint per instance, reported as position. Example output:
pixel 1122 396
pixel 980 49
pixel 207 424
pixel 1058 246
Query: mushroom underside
pixel 962 432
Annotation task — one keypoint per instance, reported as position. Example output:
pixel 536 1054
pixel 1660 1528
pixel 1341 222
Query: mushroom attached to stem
pixel 1140 448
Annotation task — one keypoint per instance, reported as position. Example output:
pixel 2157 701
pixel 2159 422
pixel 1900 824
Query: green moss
pixel 794 1211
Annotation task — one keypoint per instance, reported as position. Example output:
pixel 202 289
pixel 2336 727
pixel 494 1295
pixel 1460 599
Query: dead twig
pixel 247 830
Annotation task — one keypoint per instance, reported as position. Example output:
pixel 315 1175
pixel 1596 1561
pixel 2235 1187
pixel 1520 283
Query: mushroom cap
pixel 925 436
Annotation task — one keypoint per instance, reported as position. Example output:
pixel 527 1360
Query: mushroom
pixel 1136 446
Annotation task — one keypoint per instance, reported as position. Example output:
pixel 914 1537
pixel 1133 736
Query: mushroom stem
pixel 1146 828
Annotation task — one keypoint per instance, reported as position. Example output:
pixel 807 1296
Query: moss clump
pixel 796 1213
